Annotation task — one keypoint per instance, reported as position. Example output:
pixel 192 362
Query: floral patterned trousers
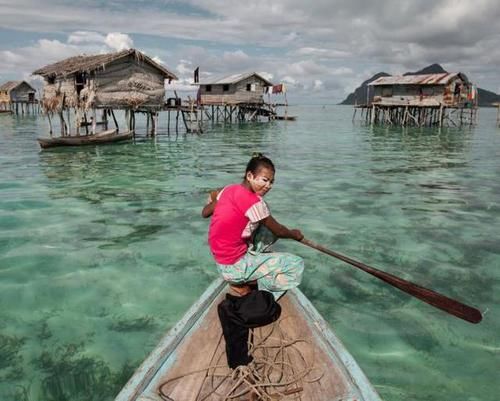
pixel 274 271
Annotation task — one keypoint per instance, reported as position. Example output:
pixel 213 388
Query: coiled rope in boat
pixel 280 368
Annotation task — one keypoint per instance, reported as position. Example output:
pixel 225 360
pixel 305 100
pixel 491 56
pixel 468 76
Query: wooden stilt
pixel 69 119
pixel 94 121
pixel 105 119
pixel 63 124
pixel 50 123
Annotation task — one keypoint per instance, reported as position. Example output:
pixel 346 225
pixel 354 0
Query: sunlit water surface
pixel 102 249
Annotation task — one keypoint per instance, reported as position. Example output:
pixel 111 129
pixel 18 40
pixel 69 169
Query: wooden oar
pixel 442 302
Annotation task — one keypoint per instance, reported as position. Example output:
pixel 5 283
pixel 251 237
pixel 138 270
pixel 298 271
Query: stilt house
pixel 13 93
pixel 448 89
pixel 233 90
pixel 127 80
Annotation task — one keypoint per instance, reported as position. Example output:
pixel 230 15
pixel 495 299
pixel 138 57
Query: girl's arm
pixel 210 206
pixel 280 230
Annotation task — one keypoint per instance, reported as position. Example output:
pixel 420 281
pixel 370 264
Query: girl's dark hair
pixel 257 161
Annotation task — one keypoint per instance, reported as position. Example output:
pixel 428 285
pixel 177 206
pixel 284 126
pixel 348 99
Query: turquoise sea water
pixel 102 249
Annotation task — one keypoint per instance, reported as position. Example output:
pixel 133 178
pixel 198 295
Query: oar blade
pixel 451 306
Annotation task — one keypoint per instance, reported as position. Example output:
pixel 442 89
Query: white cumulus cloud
pixel 119 41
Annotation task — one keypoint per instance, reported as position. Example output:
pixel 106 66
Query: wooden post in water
pixel 50 123
pixel 114 119
pixel 69 120
pixel 77 121
pixel 94 122
pixel 168 121
pixel 104 118
pixel 63 123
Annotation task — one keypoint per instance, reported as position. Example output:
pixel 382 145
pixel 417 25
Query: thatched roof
pixel 84 63
pixel 11 85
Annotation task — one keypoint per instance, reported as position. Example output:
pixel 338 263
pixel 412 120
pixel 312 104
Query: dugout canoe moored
pixel 298 357
pixel 109 136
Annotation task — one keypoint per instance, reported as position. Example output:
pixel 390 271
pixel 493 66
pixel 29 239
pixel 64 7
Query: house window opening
pixel 80 81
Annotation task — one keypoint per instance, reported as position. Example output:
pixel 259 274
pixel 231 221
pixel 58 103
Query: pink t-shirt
pixel 235 217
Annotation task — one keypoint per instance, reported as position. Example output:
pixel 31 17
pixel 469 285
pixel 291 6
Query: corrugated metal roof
pixel 10 85
pixel 424 79
pixel 232 79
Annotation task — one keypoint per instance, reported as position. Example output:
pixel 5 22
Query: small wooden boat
pixel 189 363
pixel 77 140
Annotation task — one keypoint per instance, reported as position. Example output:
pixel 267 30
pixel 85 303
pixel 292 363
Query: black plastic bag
pixel 239 314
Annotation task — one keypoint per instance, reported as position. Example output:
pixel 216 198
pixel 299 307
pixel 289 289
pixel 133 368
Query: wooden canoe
pixel 108 136
pixel 196 342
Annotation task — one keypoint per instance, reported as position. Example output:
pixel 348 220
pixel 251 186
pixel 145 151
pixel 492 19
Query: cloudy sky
pixel 322 49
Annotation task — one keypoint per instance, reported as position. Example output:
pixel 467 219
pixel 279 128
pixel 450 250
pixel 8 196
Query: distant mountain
pixel 431 69
pixel 486 98
pixel 359 95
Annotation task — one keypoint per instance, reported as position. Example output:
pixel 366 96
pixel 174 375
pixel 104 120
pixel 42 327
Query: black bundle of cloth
pixel 239 314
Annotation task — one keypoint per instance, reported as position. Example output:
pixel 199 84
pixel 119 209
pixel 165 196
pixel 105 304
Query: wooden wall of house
pixel 236 93
pixel 129 83
pixel 402 94
pixel 418 94
pixel 22 93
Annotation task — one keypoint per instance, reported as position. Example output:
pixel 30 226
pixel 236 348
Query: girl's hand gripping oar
pixel 442 302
